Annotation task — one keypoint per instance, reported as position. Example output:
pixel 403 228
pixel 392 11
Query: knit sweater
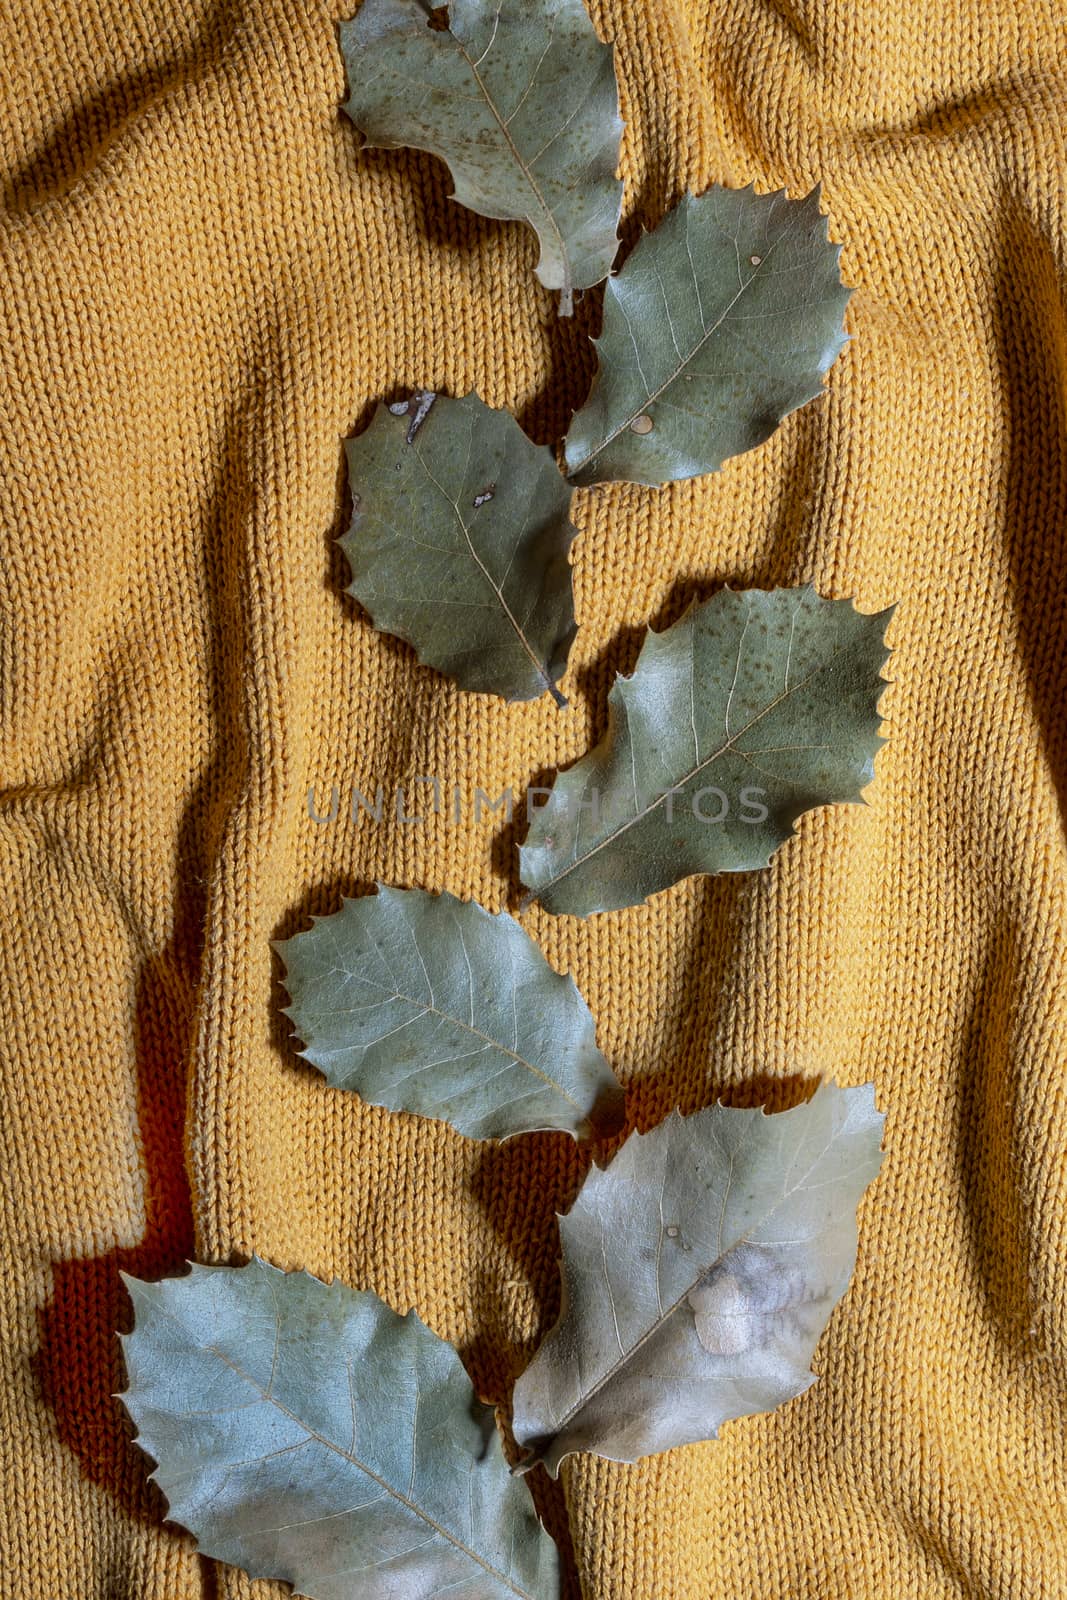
pixel 205 286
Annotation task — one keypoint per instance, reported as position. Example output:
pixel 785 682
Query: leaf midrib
pixel 540 666
pixel 566 289
pixel 476 1033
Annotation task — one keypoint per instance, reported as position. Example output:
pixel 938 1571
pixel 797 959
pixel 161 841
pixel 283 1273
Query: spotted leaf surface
pixel 459 543
pixel 753 708
pixel 519 98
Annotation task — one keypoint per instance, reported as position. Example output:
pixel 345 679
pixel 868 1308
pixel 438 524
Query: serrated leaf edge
pixel 567 289
pixel 534 1457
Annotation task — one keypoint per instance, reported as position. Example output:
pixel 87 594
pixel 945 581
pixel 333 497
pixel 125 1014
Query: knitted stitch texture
pixel 204 286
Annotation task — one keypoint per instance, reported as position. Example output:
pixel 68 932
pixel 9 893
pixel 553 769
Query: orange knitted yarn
pixel 204 286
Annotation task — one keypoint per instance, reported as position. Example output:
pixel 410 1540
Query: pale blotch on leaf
pixel 657 1346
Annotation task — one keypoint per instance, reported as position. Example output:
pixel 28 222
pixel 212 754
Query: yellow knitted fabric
pixel 205 286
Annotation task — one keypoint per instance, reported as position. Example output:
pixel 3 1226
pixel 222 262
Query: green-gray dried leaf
pixel 304 1431
pixel 429 1004
pixel 519 98
pixel 753 708
pixel 699 1270
pixel 459 544
pixel 721 322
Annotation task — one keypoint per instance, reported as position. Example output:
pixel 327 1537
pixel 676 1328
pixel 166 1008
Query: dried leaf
pixel 304 1431
pixel 458 543
pixel 720 323
pixel 519 98
pixel 753 708
pixel 429 1004
pixel 699 1270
